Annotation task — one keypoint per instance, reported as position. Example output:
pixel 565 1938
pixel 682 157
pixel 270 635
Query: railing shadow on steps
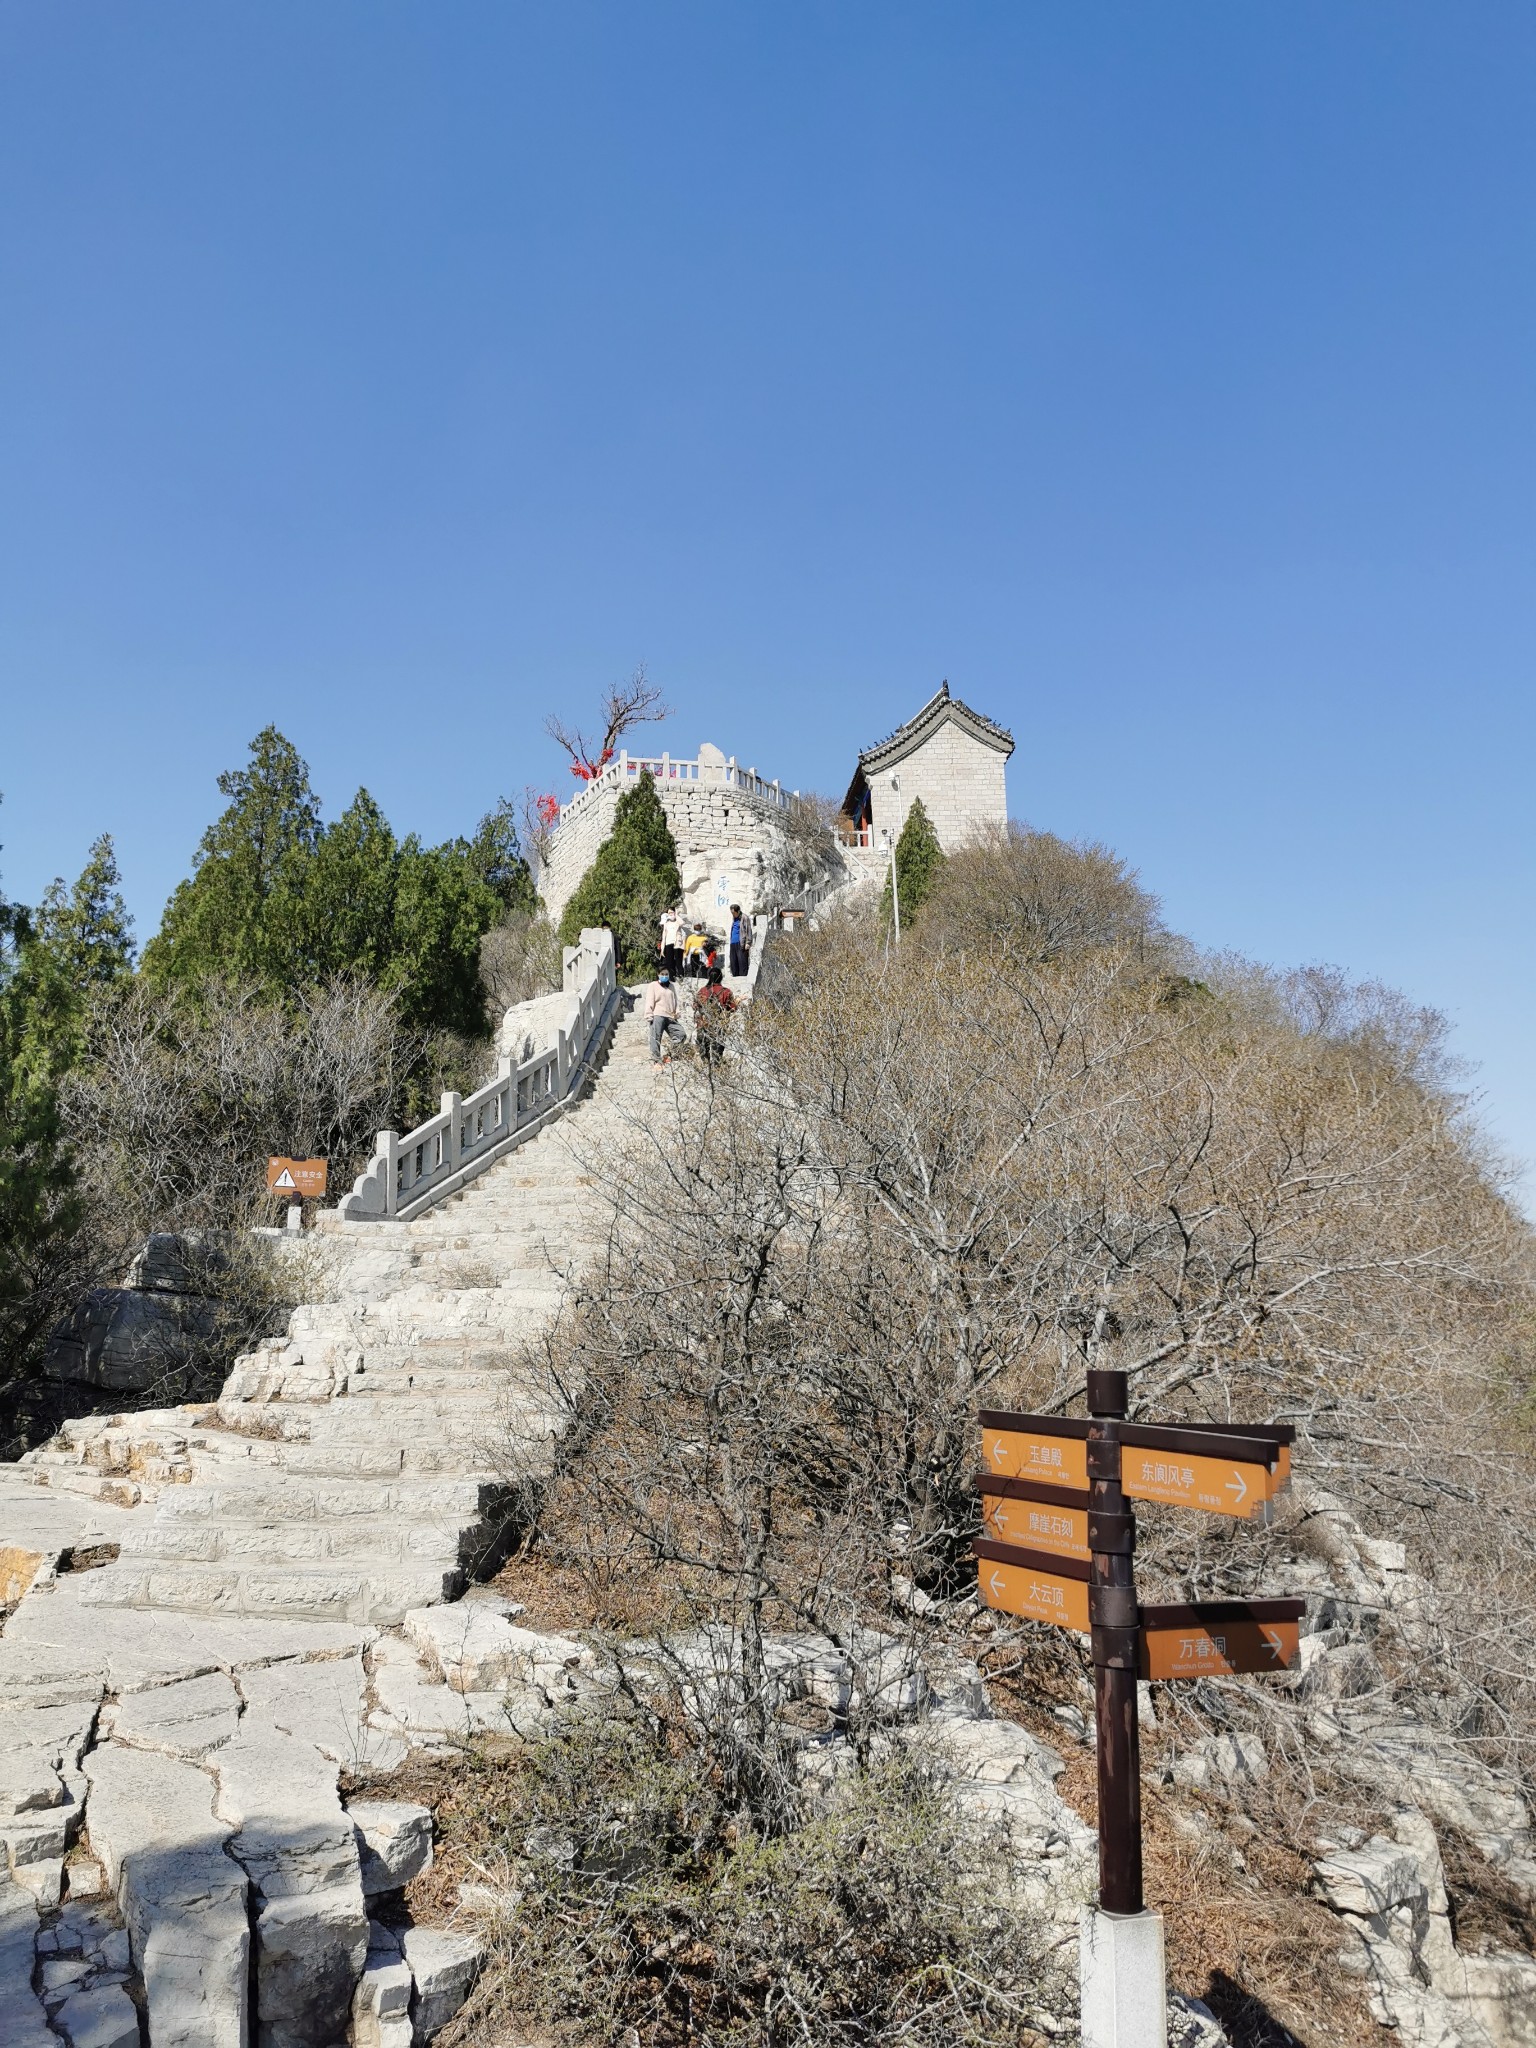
pixel 408 1174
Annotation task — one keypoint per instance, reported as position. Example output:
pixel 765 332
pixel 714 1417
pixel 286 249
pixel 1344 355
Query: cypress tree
pixel 919 858
pixel 632 881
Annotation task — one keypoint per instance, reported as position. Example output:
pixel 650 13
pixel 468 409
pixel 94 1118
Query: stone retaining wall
pixel 729 844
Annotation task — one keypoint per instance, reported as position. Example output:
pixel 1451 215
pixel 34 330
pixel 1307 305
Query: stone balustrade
pixel 625 769
pixel 408 1174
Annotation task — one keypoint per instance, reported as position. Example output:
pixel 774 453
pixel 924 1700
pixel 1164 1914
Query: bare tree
pixel 519 958
pixel 182 1098
pixel 637 702
pixel 1041 897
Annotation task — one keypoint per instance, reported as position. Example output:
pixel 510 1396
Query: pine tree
pixel 632 881
pixel 281 900
pixel 240 912
pixel 919 858
pixel 78 943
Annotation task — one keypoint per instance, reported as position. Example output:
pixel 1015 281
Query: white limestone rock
pixel 299 1849
pixel 443 1969
pixel 476 1650
pixel 22 2020
pixel 1371 1880
pixel 394 1843
pixel 34 1674
pixel 413 1707
pixel 190 1718
pixel 1006 1780
pixel 320 1700
pixel 381 2005
pixel 103 2017
pixel 183 1898
pixel 76 1650
pixel 1192 2024
pixel 28 1782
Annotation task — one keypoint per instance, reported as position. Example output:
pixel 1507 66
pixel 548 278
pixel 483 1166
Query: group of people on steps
pixel 690 950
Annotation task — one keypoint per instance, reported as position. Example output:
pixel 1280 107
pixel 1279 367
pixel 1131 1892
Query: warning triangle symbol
pixel 285 1180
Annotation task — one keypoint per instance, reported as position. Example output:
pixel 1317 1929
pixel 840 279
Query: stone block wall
pixel 961 781
pixel 728 845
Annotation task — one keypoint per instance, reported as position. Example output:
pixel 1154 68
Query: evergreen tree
pixel 632 881
pixel 349 898
pixel 79 943
pixel 281 900
pixel 40 1211
pixel 240 912
pixel 919 857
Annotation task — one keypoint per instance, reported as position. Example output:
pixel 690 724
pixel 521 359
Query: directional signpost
pixel 1060 1537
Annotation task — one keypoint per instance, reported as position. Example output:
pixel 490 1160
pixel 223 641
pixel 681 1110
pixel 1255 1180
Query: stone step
pixel 378 1597
pixel 404 1423
pixel 265 1494
pixel 392 1541
pixel 340 1461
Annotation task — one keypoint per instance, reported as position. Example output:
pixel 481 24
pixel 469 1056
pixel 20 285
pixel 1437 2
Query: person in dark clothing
pixel 713 1008
pixel 741 941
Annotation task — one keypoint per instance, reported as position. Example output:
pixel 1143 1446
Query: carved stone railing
pixel 409 1174
pixel 624 770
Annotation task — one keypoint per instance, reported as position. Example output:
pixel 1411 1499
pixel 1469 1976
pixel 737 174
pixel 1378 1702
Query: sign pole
pixel 1112 1611
pixel 1121 1969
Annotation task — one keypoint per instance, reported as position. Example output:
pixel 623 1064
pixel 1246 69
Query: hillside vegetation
pixel 1046 1135
pixel 309 983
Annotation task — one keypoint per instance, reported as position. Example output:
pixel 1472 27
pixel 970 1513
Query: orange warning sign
pixel 296 1176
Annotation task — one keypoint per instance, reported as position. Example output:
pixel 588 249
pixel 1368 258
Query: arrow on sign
pixel 1240 1484
pixel 999 1453
pixel 996 1583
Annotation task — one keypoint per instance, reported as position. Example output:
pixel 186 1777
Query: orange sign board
pixel 296 1177
pixel 1220 1638
pixel 1035 1454
pixel 1038 1525
pixel 1222 1486
pixel 1038 1588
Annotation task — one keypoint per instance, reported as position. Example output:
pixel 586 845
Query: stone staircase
pixel 362 1466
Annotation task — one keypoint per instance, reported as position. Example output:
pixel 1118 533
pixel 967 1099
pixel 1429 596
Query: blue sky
pixel 1161 376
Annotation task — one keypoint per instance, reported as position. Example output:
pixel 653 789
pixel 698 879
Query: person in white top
pixel 659 1009
pixel 672 929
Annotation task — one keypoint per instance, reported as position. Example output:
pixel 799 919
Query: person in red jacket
pixel 713 1008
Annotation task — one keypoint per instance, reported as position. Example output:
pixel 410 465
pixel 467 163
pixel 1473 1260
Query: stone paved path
pixel 173 1722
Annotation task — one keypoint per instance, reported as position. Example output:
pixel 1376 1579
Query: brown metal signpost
pixel 1059 1547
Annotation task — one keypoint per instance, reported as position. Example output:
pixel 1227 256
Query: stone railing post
pixel 386 1149
pixel 452 1107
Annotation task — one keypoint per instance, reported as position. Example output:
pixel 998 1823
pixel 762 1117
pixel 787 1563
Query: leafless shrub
pixel 183 1097
pixel 519 958
pixel 1037 898
pixel 629 1895
pixel 974 1177
pixel 808 851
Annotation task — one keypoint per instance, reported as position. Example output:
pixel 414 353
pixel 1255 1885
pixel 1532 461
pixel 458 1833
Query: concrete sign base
pixel 1124 1983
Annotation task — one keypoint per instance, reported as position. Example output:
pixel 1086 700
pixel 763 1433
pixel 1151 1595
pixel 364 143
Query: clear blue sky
pixel 1163 376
